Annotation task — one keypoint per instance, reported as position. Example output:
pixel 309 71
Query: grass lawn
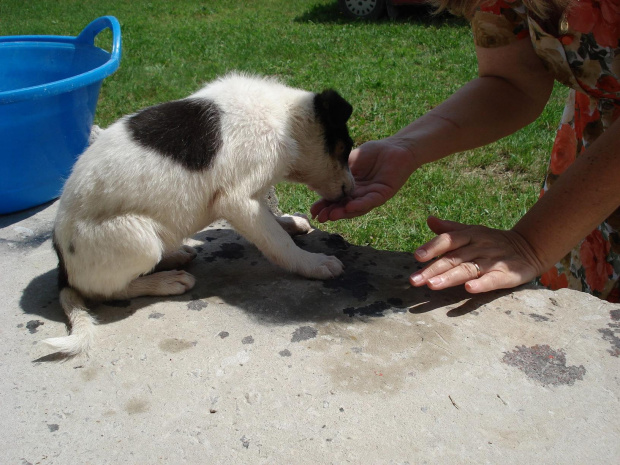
pixel 392 72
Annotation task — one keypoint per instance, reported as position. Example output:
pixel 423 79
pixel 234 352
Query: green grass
pixel 392 72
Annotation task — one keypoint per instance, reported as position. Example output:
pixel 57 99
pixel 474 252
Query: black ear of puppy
pixel 332 108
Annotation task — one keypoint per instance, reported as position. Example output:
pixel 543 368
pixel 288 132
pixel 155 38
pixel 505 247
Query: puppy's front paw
pixel 177 259
pixel 295 224
pixel 323 267
pixel 189 251
pixel 175 282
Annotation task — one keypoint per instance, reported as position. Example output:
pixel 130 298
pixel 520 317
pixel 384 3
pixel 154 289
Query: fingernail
pixel 421 253
pixel 435 281
pixel 416 278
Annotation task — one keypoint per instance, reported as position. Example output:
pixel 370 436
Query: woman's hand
pixel 380 169
pixel 482 258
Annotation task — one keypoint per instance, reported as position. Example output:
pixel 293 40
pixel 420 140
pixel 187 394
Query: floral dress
pixel 582 50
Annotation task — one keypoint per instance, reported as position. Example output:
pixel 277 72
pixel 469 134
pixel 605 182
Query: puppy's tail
pixel 82 325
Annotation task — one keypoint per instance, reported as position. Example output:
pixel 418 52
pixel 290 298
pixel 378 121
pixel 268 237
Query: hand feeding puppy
pixel 160 175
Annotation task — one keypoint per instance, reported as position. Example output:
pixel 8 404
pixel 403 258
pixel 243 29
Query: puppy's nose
pixel 347 186
pixel 347 189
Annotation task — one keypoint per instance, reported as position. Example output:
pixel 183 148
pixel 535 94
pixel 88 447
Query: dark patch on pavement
pixel 156 315
pixel 612 332
pixel 197 305
pixel 538 317
pixel 285 353
pixel 375 309
pixel 247 340
pixel 28 239
pixel 355 282
pixel 224 334
pixel 303 333
pixel 174 345
pixel 229 251
pixel 32 325
pixel 53 427
pixel 544 364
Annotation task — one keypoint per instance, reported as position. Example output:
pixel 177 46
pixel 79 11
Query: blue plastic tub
pixel 49 86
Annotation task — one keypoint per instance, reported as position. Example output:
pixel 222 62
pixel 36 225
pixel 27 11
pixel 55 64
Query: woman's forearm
pixel 483 111
pixel 584 195
pixel 511 91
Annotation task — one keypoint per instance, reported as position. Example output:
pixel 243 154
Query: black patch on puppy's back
pixel 188 131
pixel 334 111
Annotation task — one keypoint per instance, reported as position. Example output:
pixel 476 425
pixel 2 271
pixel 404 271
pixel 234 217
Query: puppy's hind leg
pixel 161 283
pixel 177 259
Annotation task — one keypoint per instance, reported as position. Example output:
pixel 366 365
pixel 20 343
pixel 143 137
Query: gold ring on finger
pixel 478 273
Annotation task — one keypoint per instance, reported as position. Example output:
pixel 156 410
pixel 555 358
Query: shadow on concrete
pixel 375 284
pixel 12 218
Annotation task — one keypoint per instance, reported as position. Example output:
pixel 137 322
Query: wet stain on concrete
pixel 53 428
pixel 32 325
pixel 247 340
pixel 303 333
pixel 611 334
pixel 27 238
pixel 356 282
pixel 375 309
pixel 156 316
pixel 545 365
pixel 539 318
pixel 378 357
pixel 174 345
pixel 197 305
pixel 285 353
pixel 229 251
pixel 135 406
pixel 89 374
pixel 224 334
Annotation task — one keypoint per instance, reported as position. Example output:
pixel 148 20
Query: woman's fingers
pixel 482 258
pixel 443 243
pixel 447 272
pixel 439 226
pixel 324 210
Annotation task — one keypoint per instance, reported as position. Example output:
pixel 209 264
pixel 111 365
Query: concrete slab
pixel 257 366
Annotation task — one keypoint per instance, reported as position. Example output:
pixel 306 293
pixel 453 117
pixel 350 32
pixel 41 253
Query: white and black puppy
pixel 159 176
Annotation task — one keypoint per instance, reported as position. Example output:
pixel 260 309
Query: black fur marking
pixel 63 277
pixel 334 111
pixel 188 131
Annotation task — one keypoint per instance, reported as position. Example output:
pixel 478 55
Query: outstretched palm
pixel 380 169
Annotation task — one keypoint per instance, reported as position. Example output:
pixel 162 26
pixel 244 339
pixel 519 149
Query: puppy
pixel 162 174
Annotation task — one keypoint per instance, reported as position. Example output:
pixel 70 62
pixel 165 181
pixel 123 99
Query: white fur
pixel 126 209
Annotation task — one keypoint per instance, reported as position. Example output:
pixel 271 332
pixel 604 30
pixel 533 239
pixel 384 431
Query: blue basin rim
pixel 85 38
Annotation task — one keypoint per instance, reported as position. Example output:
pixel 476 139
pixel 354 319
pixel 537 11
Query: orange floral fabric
pixel 582 51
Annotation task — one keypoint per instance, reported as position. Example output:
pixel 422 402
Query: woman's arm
pixel 582 198
pixel 512 89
